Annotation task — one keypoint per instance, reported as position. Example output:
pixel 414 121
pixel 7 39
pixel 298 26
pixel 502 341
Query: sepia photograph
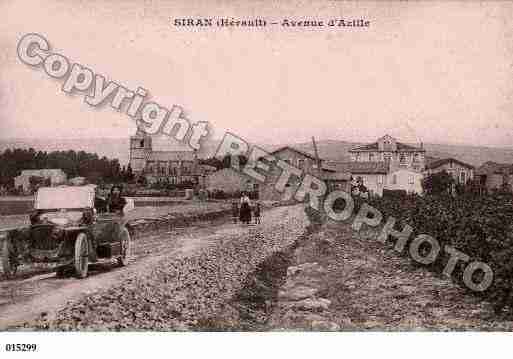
pixel 340 171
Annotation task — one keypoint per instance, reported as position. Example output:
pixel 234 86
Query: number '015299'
pixel 20 347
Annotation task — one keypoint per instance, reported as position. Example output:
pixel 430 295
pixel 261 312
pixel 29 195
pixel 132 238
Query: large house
pixel 386 164
pixel 172 167
pixel 396 155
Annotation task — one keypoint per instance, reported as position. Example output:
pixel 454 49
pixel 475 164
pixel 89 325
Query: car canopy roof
pixel 65 197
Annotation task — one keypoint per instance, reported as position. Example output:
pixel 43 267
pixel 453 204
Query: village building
pixel 166 167
pixel 461 172
pixel 495 176
pixel 372 174
pixel 386 164
pixel 230 181
pixel 56 176
pixel 395 154
pixel 307 163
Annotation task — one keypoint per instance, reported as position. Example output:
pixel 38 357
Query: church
pixel 165 167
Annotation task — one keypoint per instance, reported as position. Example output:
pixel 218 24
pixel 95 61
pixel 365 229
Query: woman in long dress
pixel 245 209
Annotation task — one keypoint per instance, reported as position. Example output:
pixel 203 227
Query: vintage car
pixel 67 231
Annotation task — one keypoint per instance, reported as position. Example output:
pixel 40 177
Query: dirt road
pixel 358 283
pixel 42 296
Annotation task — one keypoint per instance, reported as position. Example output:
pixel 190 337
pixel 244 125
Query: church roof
pixel 171 156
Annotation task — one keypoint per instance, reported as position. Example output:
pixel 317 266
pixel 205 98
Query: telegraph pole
pixel 317 157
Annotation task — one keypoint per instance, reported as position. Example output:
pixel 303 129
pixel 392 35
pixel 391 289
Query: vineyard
pixel 479 226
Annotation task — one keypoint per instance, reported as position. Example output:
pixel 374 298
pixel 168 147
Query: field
pixel 145 209
pixel 23 205
pixel 479 227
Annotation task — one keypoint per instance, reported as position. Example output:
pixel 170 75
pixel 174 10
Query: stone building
pixel 230 181
pixel 461 172
pixel 56 176
pixel 396 155
pixel 385 164
pixel 494 176
pixel 308 164
pixel 173 167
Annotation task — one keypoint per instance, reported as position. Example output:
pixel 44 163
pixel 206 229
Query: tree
pixel 74 164
pixel 438 183
pixel 129 174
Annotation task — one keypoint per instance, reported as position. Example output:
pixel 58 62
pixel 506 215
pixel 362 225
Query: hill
pixel 329 149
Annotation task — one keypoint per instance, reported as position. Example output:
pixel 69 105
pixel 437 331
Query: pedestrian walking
pixel 256 212
pixel 245 209
pixel 235 211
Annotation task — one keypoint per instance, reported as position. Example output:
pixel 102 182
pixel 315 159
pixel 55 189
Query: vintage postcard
pixel 255 166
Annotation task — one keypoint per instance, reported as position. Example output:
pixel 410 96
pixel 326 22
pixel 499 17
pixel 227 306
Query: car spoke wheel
pixel 81 260
pixel 9 264
pixel 126 247
pixel 63 272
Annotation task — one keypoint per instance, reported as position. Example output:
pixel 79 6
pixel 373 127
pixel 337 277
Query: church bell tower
pixel 140 149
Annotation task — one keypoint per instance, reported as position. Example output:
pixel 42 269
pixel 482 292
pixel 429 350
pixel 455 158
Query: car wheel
pixel 9 264
pixel 62 272
pixel 126 247
pixel 81 260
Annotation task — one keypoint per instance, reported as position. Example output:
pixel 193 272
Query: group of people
pixel 358 188
pixel 114 203
pixel 243 210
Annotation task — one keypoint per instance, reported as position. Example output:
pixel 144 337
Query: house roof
pixel 336 176
pixel 440 162
pixel 171 156
pixel 366 167
pixel 374 147
pixel 494 167
pixel 429 159
pixel 306 154
pixel 40 172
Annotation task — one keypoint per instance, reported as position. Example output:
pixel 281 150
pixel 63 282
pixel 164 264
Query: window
pixel 402 158
pixel 380 179
pixel 411 179
pixel 416 158
pixel 141 144
pixel 394 179
pixel 301 164
pixel 371 157
pixel 463 177
pixel 357 158
pixel 451 165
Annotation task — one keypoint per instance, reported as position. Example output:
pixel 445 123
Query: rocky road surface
pixel 176 279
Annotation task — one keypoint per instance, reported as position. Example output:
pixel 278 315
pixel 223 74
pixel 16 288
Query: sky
pixel 436 72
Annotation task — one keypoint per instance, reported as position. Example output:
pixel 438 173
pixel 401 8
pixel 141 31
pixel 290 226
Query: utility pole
pixel 317 157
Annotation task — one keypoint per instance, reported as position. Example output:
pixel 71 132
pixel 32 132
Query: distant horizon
pixel 299 142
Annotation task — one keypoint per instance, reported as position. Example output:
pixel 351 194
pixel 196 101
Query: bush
pixel 437 183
